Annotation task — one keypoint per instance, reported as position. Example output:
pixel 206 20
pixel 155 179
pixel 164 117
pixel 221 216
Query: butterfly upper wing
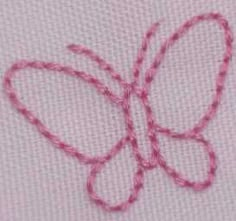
pixel 22 108
pixel 165 50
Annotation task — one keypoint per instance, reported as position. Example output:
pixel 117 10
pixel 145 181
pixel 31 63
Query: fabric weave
pixel 38 182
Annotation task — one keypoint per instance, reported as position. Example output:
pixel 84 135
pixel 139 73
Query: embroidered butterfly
pixel 141 91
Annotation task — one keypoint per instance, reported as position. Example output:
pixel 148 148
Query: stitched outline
pixel 123 102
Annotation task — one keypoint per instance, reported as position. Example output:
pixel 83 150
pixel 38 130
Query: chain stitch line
pixel 123 102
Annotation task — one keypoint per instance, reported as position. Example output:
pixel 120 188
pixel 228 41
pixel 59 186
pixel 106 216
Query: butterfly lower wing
pixel 137 183
pixel 179 177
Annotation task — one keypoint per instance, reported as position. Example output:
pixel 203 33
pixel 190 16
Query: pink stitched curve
pixel 141 91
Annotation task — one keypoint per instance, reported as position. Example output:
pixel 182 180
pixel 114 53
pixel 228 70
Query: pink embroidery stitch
pixel 123 102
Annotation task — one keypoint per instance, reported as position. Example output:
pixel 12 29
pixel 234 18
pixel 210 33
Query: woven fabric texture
pixel 40 183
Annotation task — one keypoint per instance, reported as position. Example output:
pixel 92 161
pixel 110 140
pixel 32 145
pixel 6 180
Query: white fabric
pixel 41 183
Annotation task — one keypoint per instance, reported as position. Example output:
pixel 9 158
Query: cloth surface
pixel 40 183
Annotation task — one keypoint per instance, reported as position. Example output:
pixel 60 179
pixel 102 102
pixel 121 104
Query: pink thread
pixel 123 102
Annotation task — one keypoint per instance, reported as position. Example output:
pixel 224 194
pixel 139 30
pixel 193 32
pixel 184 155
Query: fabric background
pixel 41 183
